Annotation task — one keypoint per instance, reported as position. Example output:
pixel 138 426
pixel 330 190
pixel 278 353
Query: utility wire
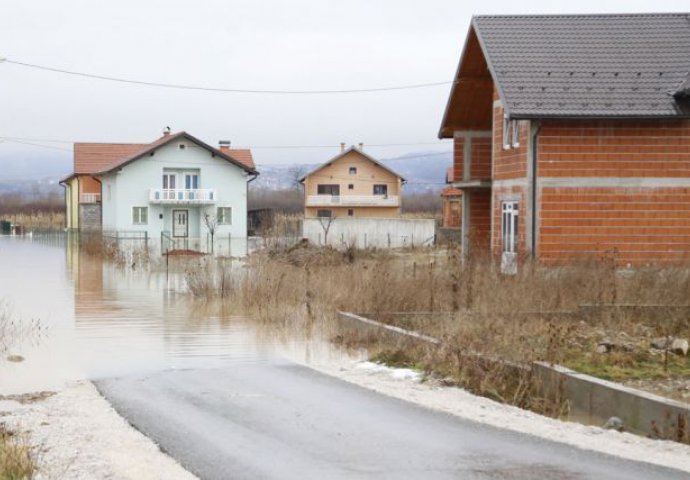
pixel 218 89
pixel 32 141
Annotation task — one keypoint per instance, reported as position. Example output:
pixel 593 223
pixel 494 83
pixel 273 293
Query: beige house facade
pixel 352 184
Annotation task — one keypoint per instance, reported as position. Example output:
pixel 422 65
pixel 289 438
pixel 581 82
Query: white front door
pixel 180 223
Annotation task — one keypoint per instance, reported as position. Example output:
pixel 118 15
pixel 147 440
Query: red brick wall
pixel 458 158
pixel 481 158
pixel 509 163
pixel 452 212
pixel 641 225
pixel 614 149
pixel 480 221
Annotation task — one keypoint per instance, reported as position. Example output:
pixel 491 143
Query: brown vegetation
pixel 17 460
pixel 540 314
pixel 33 211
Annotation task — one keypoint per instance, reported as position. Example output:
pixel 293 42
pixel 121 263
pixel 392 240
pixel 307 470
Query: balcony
pixel 90 198
pixel 353 201
pixel 179 196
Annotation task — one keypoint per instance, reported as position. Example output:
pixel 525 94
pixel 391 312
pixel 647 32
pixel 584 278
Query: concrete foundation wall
pixel 589 400
pixel 369 232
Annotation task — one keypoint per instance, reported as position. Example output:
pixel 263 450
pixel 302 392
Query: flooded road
pixel 101 320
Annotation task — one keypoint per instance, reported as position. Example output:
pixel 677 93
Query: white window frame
pixel 221 216
pixel 140 215
pixel 506 132
pixel 510 226
pixel 511 133
pixel 515 134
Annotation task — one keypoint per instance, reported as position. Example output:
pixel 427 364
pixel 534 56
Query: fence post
pixel 389 240
pixel 365 240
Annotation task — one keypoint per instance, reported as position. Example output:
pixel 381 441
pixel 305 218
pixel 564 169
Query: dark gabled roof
pixel 345 152
pixel 587 66
pixel 166 139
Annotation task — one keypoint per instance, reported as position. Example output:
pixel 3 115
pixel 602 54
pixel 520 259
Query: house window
pixel 351 186
pixel 169 181
pixel 328 189
pixel 140 215
pixel 511 133
pixel 353 170
pixel 224 215
pixel 324 213
pixel 515 134
pixel 380 189
pixel 350 212
pixel 506 132
pixel 509 226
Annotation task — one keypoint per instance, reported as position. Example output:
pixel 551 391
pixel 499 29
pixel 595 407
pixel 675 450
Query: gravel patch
pixel 78 435
pixel 461 403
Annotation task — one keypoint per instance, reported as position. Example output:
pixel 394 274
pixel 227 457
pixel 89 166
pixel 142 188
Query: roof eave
pixel 442 131
pixel 187 136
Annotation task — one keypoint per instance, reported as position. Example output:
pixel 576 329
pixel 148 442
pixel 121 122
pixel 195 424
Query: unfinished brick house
pixel 572 138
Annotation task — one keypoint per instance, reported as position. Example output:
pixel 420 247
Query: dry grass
pixel 17 460
pixel 40 220
pixel 556 315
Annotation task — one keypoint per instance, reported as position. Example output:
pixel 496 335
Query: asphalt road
pixel 287 421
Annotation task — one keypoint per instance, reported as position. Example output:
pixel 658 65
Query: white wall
pixel 131 185
pixel 370 232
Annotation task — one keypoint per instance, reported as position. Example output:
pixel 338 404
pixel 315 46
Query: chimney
pixel 361 146
pixel 342 147
pixel 224 145
pixel 166 131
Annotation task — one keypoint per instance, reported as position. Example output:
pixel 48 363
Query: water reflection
pixel 106 320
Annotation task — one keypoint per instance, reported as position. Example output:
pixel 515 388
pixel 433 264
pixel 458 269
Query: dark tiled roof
pixel 589 65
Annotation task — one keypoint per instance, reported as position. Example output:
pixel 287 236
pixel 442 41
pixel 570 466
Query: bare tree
pixel 326 223
pixel 295 174
pixel 211 222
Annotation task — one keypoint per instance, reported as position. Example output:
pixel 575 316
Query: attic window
pixel 511 133
pixel 353 170
pixel 182 146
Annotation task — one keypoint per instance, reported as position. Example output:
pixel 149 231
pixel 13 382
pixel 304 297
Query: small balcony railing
pixel 90 198
pixel 183 195
pixel 353 200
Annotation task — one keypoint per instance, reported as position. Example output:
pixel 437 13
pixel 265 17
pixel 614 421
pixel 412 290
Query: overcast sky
pixel 295 45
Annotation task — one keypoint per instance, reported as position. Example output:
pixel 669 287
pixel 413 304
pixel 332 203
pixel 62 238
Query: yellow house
pixel 352 184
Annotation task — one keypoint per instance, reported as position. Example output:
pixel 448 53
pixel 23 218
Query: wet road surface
pixel 287 421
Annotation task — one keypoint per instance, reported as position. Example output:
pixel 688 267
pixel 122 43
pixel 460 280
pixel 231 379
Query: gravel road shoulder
pixel 78 435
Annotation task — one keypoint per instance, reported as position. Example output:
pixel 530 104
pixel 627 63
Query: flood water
pixel 101 320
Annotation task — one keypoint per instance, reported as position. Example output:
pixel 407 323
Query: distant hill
pixel 27 172
pixel 424 172
pixel 33 172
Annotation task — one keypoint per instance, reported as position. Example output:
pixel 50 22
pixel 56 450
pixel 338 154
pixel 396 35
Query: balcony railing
pixel 90 198
pixel 183 195
pixel 353 200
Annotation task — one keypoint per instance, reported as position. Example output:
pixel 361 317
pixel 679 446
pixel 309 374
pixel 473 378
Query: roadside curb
pixel 590 400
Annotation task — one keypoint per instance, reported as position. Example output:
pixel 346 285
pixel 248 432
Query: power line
pixel 33 140
pixel 219 89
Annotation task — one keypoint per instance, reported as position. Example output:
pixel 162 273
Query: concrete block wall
pixel 89 216
pixel 370 232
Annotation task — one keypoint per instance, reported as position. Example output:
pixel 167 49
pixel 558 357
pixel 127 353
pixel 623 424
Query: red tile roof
pixel 451 192
pixel 99 158
pixel 93 157
pixel 242 155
